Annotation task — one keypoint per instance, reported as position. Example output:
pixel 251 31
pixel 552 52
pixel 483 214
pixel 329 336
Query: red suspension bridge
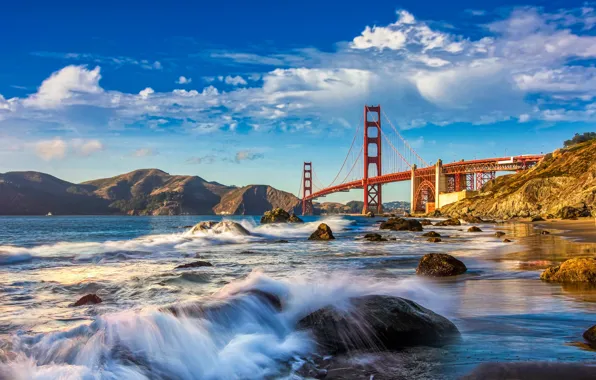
pixel 367 166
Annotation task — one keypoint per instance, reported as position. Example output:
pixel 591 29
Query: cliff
pixel 562 185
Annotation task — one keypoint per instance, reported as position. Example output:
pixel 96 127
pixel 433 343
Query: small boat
pixel 49 214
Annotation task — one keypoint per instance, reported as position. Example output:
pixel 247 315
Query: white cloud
pixel 51 149
pixel 183 80
pixel 86 147
pixel 145 152
pixel 235 81
pixel 146 92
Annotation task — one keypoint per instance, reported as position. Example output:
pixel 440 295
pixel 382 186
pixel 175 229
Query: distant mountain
pixel 396 206
pixel 140 192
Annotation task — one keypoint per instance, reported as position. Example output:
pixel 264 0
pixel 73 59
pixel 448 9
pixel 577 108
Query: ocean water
pixel 505 313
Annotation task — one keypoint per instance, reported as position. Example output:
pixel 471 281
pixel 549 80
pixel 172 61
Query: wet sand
pixel 582 229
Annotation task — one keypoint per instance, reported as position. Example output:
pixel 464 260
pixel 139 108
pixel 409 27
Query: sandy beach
pixel 582 229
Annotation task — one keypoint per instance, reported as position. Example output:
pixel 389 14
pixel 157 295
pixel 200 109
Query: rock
pixel 537 218
pixel 543 232
pixel 434 240
pixel 374 237
pixel 294 219
pixel 474 229
pixel 590 336
pixel 572 270
pixel 323 232
pixel 569 212
pixel 425 222
pixel 281 241
pixel 506 241
pixel 436 213
pixel 277 215
pixel 370 214
pixel 219 227
pixel 449 222
pixel 472 219
pixel 431 234
pixel 401 224
pixel 195 264
pixel 89 299
pixel 440 265
pixel 499 233
pixel 377 323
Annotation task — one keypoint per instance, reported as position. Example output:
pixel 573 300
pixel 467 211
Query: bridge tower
pixel 372 157
pixel 307 208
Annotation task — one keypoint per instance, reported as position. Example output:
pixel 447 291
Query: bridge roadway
pixel 498 164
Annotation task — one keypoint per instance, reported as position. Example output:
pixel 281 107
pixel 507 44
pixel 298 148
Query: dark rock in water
pixel 472 219
pixel 195 264
pixel 537 218
pixel 374 237
pixel 281 241
pixel 425 222
pixel 323 232
pixel 474 229
pixel 279 215
pixel 219 227
pixel 543 232
pixel 434 239
pixel 506 241
pixel 499 233
pixel 590 336
pixel 378 323
pixel 431 234
pixel 572 270
pixel 294 219
pixel 401 224
pixel 440 265
pixel 532 371
pixel 449 222
pixel 89 299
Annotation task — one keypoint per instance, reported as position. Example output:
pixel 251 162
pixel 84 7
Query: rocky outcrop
pixel 225 226
pixel 440 265
pixel 572 270
pixel 431 234
pixel 474 229
pixel 279 215
pixel 472 219
pixel 401 224
pixel 323 232
pixel 590 336
pixel 449 222
pixel 562 184
pixel 374 237
pixel 195 264
pixel 377 323
pixel 89 299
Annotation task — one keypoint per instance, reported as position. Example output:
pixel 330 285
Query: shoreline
pixel 580 230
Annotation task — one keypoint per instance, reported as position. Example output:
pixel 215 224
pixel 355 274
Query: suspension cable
pixel 353 165
pixel 404 140
pixel 348 154
pixel 395 149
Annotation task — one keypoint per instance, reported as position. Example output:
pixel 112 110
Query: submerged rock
pixel 401 224
pixel 219 227
pixel 89 299
pixel 474 229
pixel 431 234
pixel 434 240
pixel 323 232
pixel 195 264
pixel 449 222
pixel 506 241
pixel 279 215
pixel 499 233
pixel 590 336
pixel 374 237
pixel 425 222
pixel 572 270
pixel 377 323
pixel 440 265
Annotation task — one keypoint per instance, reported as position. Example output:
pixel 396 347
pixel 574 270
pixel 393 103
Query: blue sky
pixel 243 92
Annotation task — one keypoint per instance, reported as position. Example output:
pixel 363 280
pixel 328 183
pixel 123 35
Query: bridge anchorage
pixel 367 166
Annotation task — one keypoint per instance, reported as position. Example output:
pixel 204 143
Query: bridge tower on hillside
pixel 307 208
pixel 372 159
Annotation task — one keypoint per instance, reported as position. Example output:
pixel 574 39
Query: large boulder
pixel 279 215
pixel 440 265
pixel 323 232
pixel 572 270
pixel 590 336
pixel 401 224
pixel 377 323
pixel 89 299
pixel 219 228
pixel 449 222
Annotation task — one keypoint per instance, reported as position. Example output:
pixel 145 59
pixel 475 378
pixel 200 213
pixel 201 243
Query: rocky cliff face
pixel 256 199
pixel 563 184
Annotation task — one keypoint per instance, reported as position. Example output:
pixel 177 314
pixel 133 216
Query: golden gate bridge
pixel 367 166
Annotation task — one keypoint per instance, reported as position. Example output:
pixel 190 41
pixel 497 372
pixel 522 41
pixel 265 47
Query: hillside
pixel 253 199
pixel 563 184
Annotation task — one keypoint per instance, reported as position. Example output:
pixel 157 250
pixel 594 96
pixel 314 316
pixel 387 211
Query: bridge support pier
pixel 372 157
pixel 307 207
pixel 414 183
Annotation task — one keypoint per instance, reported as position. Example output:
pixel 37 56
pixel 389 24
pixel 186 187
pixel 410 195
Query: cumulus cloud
pixel 146 92
pixel 86 147
pixel 183 80
pixel 248 155
pixel 145 152
pixel 51 149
